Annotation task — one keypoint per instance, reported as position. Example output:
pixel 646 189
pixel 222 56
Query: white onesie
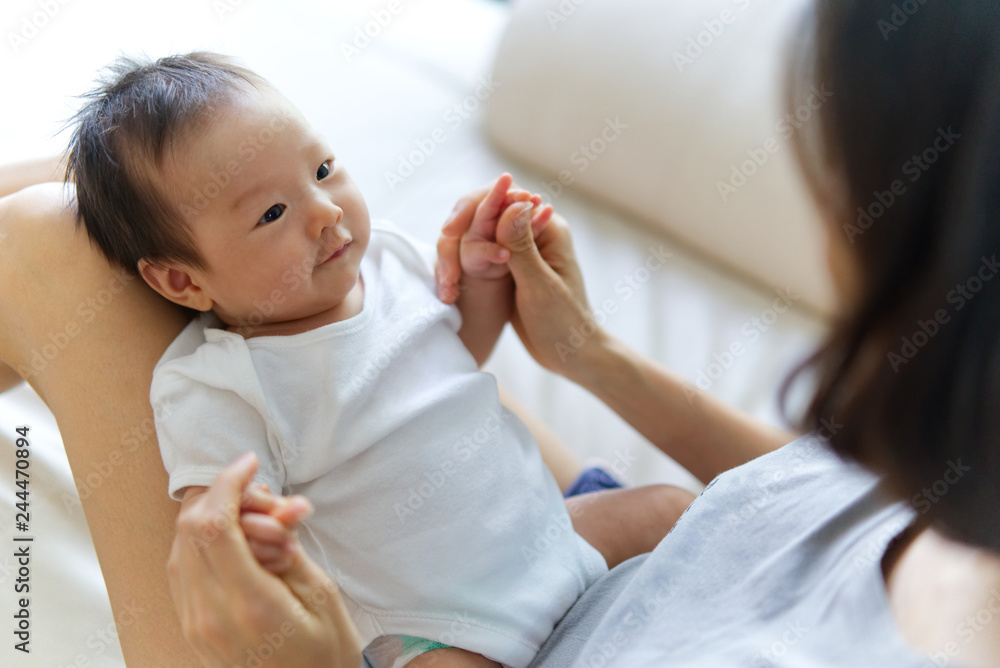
pixel 434 511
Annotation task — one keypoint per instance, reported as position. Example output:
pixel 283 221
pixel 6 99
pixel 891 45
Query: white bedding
pixel 377 110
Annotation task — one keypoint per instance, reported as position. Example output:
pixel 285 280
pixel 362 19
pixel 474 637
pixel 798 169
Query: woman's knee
pixel 669 502
pixel 57 287
pixel 37 234
pixel 35 224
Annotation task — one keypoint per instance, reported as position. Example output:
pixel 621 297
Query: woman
pixel 794 558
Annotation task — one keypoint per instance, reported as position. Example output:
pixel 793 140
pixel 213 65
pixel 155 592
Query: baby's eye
pixel 272 214
pixel 324 170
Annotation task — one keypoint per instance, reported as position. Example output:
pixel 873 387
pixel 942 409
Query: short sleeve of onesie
pixel 207 413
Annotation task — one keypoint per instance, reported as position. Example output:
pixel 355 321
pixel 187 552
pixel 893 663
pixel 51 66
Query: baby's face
pixel 278 220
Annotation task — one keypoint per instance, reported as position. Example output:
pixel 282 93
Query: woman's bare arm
pixel 701 433
pixel 20 175
pixel 109 329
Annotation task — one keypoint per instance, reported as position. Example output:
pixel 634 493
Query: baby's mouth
pixel 337 253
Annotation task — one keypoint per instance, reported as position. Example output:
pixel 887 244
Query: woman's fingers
pixel 479 208
pixel 549 297
pixel 258 499
pixel 514 232
pixel 292 510
pixel 274 558
pixel 321 600
pixel 265 529
pixel 227 601
pixel 448 268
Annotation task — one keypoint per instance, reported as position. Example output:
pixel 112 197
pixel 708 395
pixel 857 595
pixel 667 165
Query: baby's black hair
pixel 118 144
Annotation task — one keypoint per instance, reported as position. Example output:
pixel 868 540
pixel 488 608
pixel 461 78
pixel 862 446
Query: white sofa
pixel 404 108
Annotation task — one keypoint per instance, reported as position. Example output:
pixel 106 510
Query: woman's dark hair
pixel 118 143
pixel 905 158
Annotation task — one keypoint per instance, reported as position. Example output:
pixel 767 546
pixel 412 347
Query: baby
pixel 321 346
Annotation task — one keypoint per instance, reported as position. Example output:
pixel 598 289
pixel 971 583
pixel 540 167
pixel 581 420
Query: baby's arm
pixel 268 522
pixel 486 296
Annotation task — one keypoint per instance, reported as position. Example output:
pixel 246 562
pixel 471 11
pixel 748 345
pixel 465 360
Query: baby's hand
pixel 269 522
pixel 479 254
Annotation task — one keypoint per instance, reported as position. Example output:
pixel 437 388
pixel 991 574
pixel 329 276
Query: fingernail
pixel 310 508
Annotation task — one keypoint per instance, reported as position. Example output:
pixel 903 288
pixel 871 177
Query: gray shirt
pixel 777 563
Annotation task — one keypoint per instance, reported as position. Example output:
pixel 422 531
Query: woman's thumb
pixel 514 233
pixel 310 583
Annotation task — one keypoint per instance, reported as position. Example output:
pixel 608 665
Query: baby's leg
pixel 622 523
pixel 451 657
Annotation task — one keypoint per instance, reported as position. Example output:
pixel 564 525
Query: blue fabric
pixel 592 480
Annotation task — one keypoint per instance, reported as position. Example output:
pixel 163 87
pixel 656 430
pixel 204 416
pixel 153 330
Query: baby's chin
pixel 297 320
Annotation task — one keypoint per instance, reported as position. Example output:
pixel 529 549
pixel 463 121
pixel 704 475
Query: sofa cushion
pixel 673 112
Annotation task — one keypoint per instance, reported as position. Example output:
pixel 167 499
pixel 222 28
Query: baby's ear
pixel 174 281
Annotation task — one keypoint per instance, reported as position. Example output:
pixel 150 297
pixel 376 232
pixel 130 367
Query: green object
pixel 412 642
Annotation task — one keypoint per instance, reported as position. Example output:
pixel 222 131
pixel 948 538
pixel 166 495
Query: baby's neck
pixel 351 306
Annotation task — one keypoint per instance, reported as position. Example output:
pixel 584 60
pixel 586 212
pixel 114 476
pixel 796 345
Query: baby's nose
pixel 327 214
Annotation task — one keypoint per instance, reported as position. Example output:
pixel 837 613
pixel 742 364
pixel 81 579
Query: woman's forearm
pixel 700 432
pixel 20 175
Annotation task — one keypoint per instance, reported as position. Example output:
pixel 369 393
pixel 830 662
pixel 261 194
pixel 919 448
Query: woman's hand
pixel 232 610
pixel 551 313
pixel 468 238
